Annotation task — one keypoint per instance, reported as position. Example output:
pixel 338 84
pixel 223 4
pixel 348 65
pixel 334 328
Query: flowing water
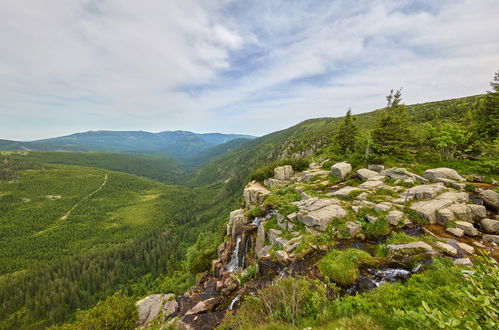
pixel 234 302
pixel 234 258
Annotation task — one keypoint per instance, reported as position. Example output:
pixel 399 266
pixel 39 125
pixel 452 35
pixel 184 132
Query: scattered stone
pixel 362 196
pixel 365 174
pixel 444 173
pixel 452 184
pixel 311 175
pixel 304 195
pixel 479 245
pixel 292 216
pixel 254 194
pixel 490 198
pixel 341 170
pixel 461 211
pixel 271 182
pixel 376 167
pixel 444 215
pixel 467 227
pixel 283 172
pixel 356 209
pixel 318 213
pixel 491 239
pixel 458 232
pixel 398 251
pixel 344 192
pixel 463 262
pixel 490 226
pixel 448 249
pixel 394 217
pixel 384 206
pixel 371 218
pixel 273 235
pixel 455 197
pixel 353 228
pixel 282 256
pixel 477 211
pixel 467 248
pixel 370 184
pixel 400 173
pixel 428 209
pixel 424 192
pixel 203 306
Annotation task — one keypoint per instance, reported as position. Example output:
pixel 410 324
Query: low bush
pixel 281 200
pixel 342 267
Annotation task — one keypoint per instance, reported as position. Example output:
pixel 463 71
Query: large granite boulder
pixel 400 251
pixel 400 173
pixel 150 307
pixel 365 174
pixel 424 192
pixel 318 213
pixel 341 170
pixel 490 226
pixel 237 219
pixel 428 209
pixel 490 198
pixel 442 173
pixel 254 194
pixel 283 172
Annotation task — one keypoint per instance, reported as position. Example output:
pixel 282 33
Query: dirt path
pixel 65 216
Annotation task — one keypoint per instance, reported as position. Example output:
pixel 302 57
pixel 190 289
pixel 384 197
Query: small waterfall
pixel 234 258
pixel 256 221
pixel 233 302
pixel 390 275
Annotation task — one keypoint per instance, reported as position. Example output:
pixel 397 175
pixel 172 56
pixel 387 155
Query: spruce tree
pixel 392 132
pixel 487 121
pixel 347 134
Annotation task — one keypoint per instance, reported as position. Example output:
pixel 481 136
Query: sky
pixel 248 66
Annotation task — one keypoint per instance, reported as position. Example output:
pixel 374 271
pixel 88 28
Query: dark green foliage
pixel 267 171
pixel 10 167
pixel 488 114
pixel 281 200
pixel 342 267
pixel 392 133
pixel 346 134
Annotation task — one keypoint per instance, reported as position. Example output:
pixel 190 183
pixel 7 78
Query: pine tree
pixel 392 133
pixel 488 114
pixel 347 134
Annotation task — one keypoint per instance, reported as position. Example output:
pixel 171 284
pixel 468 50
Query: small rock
pixel 371 218
pixel 304 195
pixel 362 196
pixel 404 250
pixel 445 173
pixel 463 262
pixel 399 173
pixel 444 215
pixel 479 245
pixel 344 192
pixel 283 172
pixel 394 217
pixel 491 239
pixel 371 184
pixel 376 167
pixel 203 306
pixel 353 228
pixel 365 174
pixel 356 209
pixel 467 248
pixel 490 226
pixel 455 231
pixel 282 256
pixel 384 206
pixel 341 170
pixel 448 249
pixel 463 224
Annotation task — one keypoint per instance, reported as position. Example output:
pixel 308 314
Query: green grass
pixel 402 238
pixel 342 267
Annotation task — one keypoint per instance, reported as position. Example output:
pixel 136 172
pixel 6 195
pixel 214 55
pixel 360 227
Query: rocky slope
pixel 288 222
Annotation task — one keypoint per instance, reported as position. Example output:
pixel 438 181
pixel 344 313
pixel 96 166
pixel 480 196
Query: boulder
pixel 150 306
pixel 260 240
pixel 311 175
pixel 283 172
pixel 463 262
pixel 394 217
pixel 344 192
pixel 444 215
pixel 341 170
pixel 490 198
pixel 491 239
pixel 399 251
pixel 424 192
pixel 204 306
pixel 237 219
pixel 353 228
pixel 271 182
pixel 446 248
pixel 454 197
pixel 442 173
pixel 458 232
pixel 376 167
pixel 400 173
pixel 281 256
pixel 254 194
pixel 461 211
pixel 384 206
pixel 467 248
pixel 365 174
pixel 477 211
pixel 370 184
pixel 490 226
pixel 318 213
pixel 428 209
pixel 467 227
pixel 273 235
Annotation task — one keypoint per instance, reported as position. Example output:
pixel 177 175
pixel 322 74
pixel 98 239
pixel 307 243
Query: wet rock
pixel 365 174
pixel 442 173
pixel 428 209
pixel 399 173
pixel 490 226
pixel 353 228
pixel 376 167
pixel 204 306
pixel 394 217
pixel 399 251
pixel 254 194
pixel 237 219
pixel 447 249
pixel 341 170
pixel 150 307
pixel 370 184
pixel 490 198
pixel 424 192
pixel 491 239
pixel 463 262
pixel 467 248
pixel 458 232
pixel 283 172
pixel 344 192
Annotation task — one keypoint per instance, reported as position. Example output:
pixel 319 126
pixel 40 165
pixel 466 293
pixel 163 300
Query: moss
pixel 401 238
pixel 342 267
pixel 281 200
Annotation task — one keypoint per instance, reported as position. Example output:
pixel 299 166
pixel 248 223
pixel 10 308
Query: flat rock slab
pixel 428 209
pixel 447 249
pixel 399 251
pixel 365 174
pixel 463 262
pixel 254 194
pixel 442 173
pixel 344 192
pixel 318 213
pixel 458 232
pixel 490 226
pixel 424 192
pixel 150 306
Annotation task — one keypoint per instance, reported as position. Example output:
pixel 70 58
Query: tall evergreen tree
pixel 392 133
pixel 347 133
pixel 488 115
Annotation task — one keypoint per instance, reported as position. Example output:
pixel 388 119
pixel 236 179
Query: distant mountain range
pixel 179 144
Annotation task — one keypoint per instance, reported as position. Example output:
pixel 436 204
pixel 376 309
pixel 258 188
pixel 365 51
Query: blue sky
pixel 249 67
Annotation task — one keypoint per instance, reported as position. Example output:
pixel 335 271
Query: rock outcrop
pixel 153 306
pixel 254 194
pixel 318 213
pixel 341 170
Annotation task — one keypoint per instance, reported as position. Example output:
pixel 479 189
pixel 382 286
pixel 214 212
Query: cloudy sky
pixel 248 66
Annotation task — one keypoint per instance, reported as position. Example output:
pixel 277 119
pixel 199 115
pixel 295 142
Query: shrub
pixel 377 229
pixel 342 267
pixel 281 200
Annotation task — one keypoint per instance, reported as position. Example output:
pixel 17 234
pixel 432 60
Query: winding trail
pixel 65 216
